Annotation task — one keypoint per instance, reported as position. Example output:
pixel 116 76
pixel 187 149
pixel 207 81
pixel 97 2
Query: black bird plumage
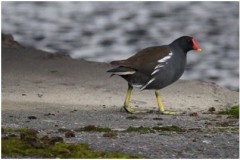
pixel 155 67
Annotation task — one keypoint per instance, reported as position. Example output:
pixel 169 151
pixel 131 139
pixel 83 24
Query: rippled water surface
pixel 105 31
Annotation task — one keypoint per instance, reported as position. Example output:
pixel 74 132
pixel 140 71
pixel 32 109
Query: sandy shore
pixel 63 93
pixel 35 76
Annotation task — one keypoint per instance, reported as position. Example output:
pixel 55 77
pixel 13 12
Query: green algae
pixel 14 147
pixel 141 129
pixel 233 111
pixel 32 146
pixel 63 130
pixel 92 128
pixel 110 135
pixel 169 128
pixel 144 130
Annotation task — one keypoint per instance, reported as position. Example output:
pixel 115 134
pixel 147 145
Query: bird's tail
pixel 121 71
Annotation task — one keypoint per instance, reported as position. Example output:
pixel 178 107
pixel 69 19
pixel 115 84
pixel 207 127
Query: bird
pixel 154 68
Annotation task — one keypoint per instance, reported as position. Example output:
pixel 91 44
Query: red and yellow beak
pixel 195 46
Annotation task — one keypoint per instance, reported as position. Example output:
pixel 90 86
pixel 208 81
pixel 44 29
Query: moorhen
pixel 154 68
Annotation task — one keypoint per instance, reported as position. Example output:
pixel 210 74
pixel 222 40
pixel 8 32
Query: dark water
pixel 105 31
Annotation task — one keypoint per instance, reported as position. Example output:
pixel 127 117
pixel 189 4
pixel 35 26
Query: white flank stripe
pixel 165 58
pixel 137 85
pixel 163 62
pixel 159 66
pixel 148 83
pixel 124 73
pixel 155 71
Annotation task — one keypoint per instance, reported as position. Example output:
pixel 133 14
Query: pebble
pixel 69 134
pixel 206 141
pixel 32 117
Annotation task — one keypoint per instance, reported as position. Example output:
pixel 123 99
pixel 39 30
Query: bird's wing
pixel 147 59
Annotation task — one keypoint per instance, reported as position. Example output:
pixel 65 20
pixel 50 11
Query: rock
pixel 212 109
pixel 194 114
pixel 69 134
pixel 8 41
pixel 32 117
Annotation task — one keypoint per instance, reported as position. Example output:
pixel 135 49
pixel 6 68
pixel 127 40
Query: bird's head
pixel 187 43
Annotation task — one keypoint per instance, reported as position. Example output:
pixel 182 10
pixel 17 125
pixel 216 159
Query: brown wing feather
pixel 145 60
pixel 118 63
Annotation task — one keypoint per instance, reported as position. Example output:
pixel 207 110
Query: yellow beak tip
pixel 199 50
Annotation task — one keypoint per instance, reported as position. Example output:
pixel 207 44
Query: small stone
pixel 74 111
pixel 69 134
pixel 157 118
pixel 110 135
pixel 49 114
pixel 211 109
pixel 206 141
pixel 54 140
pixel 32 117
pixel 133 117
pixel 39 95
pixel 194 114
pixel 208 123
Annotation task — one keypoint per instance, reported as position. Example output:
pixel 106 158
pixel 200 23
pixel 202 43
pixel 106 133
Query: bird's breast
pixel 166 73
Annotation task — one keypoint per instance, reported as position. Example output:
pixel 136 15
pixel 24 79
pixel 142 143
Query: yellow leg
pixel 160 104
pixel 127 106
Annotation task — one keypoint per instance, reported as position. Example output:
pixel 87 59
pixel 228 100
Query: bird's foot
pixel 132 111
pixel 168 112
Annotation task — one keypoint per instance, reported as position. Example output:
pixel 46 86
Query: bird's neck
pixel 176 47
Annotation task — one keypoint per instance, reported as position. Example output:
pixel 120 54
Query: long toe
pixel 128 109
pixel 168 112
pixel 132 111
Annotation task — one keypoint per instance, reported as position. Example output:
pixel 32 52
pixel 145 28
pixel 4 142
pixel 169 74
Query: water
pixel 105 31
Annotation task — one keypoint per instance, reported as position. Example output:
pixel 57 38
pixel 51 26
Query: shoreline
pixel 50 93
pixel 30 75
